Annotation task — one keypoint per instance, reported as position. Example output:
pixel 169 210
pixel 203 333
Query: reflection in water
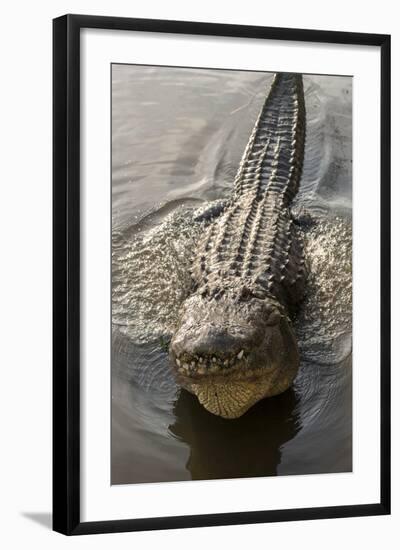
pixel 248 446
pixel 172 153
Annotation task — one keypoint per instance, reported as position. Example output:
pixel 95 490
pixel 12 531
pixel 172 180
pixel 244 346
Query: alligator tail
pixel 273 159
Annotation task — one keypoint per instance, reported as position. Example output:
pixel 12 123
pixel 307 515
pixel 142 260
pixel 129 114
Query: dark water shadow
pixel 245 447
pixel 45 519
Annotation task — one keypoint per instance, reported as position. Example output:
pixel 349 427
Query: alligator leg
pixel 303 217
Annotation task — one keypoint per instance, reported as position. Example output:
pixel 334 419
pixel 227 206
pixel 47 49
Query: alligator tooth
pixel 192 364
pixel 178 362
pixel 185 366
pixel 226 362
pixel 240 354
pixel 201 359
pixel 214 359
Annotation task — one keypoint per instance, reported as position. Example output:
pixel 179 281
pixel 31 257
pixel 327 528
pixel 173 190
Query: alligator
pixel 234 343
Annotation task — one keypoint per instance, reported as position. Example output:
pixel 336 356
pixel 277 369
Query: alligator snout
pixel 214 340
pixel 219 346
pixel 231 354
pixel 213 347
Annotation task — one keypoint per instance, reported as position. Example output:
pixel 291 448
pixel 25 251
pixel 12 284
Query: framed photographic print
pixel 221 274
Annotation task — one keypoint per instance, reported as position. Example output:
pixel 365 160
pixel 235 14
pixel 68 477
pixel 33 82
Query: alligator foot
pixel 303 217
pixel 211 211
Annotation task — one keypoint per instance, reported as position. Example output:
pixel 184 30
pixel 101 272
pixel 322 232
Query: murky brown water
pixel 177 138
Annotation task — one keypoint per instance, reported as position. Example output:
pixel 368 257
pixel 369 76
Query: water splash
pixel 150 274
pixel 324 322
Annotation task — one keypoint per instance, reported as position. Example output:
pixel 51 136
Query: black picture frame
pixel 66 273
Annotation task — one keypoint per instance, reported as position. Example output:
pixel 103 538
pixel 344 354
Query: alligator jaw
pixel 231 397
pixel 198 367
pixel 231 392
pixel 229 400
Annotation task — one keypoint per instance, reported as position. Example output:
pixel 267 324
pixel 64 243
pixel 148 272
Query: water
pixel 177 138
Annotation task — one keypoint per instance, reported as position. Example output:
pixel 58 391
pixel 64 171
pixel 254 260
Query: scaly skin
pixel 234 344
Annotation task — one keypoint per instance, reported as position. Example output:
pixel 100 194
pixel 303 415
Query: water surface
pixel 177 139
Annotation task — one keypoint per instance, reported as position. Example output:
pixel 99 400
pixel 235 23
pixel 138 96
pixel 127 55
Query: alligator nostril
pixel 214 342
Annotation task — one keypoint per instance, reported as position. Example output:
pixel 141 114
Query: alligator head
pixel 231 350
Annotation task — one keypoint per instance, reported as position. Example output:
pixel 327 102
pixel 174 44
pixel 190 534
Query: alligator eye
pixel 246 293
pixel 273 318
